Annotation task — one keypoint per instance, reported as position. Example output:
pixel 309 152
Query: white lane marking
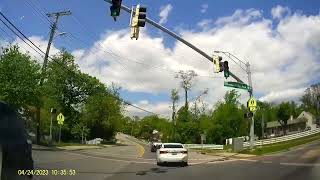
pixel 248 160
pixel 300 164
pixel 268 162
pixel 217 162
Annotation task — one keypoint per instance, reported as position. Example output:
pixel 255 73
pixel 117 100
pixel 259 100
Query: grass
pixel 282 146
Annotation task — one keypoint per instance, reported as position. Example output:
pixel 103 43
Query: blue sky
pixel 195 20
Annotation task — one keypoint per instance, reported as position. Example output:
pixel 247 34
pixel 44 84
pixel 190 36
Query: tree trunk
pixel 186 98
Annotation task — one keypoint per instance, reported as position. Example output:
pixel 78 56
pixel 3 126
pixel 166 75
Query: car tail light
pixel 184 152
pixel 163 152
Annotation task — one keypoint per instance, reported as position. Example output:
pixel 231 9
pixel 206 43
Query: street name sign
pixel 237 85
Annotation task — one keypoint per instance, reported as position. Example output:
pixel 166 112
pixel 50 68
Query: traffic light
pixel 139 19
pixel 115 8
pixel 226 69
pixel 217 63
pixel 142 14
pixel 248 115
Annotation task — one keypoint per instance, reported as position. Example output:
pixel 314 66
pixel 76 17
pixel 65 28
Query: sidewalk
pixel 230 155
pixel 224 154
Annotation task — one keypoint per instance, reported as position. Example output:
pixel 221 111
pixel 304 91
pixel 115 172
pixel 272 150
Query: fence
pixel 283 138
pixel 205 146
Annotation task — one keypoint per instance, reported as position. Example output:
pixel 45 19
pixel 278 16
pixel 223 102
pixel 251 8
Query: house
pixel 305 121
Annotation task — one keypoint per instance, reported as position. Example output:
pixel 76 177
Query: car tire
pixel 184 164
pixel 159 164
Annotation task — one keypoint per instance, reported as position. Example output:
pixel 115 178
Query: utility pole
pixel 250 93
pixel 174 119
pixel 53 112
pixel 44 66
pixel 262 126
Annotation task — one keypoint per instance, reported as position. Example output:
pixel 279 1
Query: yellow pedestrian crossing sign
pixel 60 119
pixel 252 104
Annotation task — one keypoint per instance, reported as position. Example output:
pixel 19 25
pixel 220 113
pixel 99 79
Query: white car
pixel 172 152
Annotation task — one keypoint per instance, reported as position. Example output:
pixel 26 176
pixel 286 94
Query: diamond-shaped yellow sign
pixel 60 119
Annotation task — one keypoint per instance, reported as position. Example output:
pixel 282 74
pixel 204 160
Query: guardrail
pixel 204 146
pixel 283 138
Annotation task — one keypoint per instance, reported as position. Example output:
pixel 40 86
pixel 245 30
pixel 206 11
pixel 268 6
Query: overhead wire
pixel 41 12
pixel 23 39
pixel 130 59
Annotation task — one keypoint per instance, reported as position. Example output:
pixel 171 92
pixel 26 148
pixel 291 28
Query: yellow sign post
pixel 60 119
pixel 252 104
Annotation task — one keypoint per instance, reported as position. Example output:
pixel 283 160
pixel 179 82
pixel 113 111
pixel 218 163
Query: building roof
pixel 294 121
pixel 301 118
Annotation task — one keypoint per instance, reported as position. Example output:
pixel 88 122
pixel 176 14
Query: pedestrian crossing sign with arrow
pixel 60 119
pixel 252 104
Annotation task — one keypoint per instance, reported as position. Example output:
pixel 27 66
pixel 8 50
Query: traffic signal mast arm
pixel 174 35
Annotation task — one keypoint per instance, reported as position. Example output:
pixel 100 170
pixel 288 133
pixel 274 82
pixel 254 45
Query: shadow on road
pixel 139 173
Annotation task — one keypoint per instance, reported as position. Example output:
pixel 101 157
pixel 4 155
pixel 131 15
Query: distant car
pixel 172 152
pixel 155 146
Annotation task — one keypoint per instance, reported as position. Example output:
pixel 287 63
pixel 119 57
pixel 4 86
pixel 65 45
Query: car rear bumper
pixel 172 158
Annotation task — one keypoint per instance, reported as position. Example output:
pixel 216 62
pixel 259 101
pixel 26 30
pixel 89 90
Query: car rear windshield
pixel 173 146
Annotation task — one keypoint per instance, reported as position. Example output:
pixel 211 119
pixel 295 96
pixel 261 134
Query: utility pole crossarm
pixel 63 13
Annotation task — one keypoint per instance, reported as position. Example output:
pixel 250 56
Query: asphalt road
pixel 300 164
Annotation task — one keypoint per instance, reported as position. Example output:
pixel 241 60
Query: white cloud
pixel 285 95
pixel 240 17
pixel 164 13
pixel 205 23
pixel 41 43
pixel 284 57
pixel 279 11
pixel 204 8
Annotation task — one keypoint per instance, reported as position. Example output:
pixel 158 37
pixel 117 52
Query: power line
pixel 116 97
pixel 12 39
pixel 125 58
pixel 41 12
pixel 18 31
pixel 38 12
pixel 19 36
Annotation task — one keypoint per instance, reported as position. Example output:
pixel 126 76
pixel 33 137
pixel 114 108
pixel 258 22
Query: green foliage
pixel 101 113
pixel 19 78
pixel 86 102
pixel 80 130
pixel 311 100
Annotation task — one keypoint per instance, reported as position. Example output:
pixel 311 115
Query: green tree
pixel 228 120
pixel 283 115
pixel 101 114
pixel 80 131
pixel 19 78
pixel 186 82
pixel 67 89
pixel 311 99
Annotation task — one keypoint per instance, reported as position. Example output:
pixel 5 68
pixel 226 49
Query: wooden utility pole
pixel 45 62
